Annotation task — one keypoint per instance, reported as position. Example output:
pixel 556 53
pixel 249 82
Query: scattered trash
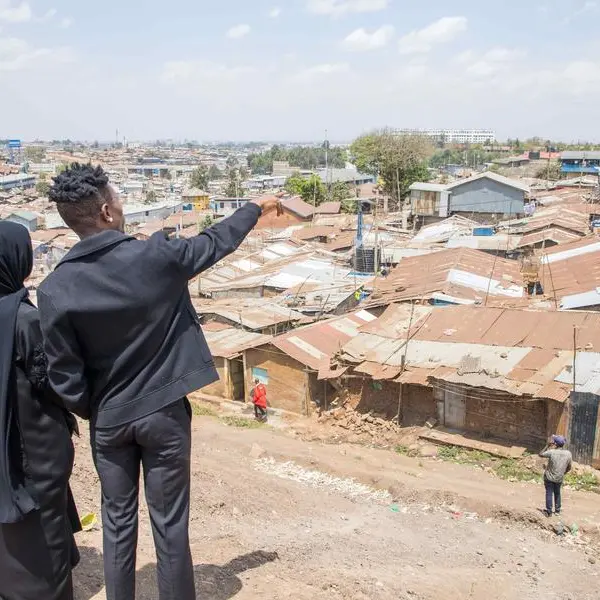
pixel 89 522
pixel 559 528
pixel 574 529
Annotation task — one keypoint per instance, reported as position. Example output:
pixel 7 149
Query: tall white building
pixel 455 136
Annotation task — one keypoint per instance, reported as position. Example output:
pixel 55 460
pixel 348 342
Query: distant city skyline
pixel 269 69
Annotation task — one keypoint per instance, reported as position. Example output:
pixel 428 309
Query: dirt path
pixel 276 517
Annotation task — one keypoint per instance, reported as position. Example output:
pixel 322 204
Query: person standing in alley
pixel 559 464
pixel 124 348
pixel 259 398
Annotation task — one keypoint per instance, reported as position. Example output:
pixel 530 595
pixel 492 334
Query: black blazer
pixel 121 335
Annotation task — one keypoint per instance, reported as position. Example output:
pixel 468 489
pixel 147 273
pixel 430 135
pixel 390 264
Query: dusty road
pixel 286 522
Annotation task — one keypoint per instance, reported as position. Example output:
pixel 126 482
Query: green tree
pixel 34 154
pixel 294 185
pixel 550 171
pixel 339 192
pixel 349 206
pixel 311 190
pixel 214 173
pixel 207 221
pixel 234 188
pixel 150 197
pixel 199 177
pixel 42 186
pixel 399 160
pixel 301 157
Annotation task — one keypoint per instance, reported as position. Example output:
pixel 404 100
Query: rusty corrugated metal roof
pixel 312 344
pixel 251 313
pixel 459 272
pixel 415 376
pixel 396 319
pixel 510 327
pixel 231 342
pixel 378 371
pixel 553 234
pixel 517 352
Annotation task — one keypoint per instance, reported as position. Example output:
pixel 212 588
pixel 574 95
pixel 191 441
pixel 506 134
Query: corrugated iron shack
pixel 289 364
pixel 492 372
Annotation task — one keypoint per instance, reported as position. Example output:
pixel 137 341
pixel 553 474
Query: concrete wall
pixel 289 386
pixel 488 196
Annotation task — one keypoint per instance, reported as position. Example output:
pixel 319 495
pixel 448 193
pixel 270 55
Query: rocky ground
pixel 276 516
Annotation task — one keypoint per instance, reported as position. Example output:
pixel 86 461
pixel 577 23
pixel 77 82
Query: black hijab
pixel 16 262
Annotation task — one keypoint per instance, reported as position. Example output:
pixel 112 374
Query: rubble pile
pixel 360 423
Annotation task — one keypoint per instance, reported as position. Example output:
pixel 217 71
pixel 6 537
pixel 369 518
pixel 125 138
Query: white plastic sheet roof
pixel 484 284
pixel 559 256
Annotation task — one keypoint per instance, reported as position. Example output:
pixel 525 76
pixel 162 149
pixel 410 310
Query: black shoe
pixel 548 513
pixel 557 512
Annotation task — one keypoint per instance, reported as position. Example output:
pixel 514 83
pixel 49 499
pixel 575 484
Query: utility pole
pixel 574 357
pixel 376 257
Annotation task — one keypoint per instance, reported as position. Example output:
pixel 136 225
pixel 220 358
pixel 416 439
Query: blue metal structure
pixel 580 162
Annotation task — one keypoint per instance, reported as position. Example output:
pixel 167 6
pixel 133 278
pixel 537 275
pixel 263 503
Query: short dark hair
pixel 79 192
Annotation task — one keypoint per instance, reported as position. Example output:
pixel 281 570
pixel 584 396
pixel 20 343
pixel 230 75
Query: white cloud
pixel 321 71
pixel 275 12
pixel 202 71
pixel 490 62
pixel 17 54
pixel 49 14
pixel 20 13
pixel 424 40
pixel 585 8
pixel 361 40
pixel 338 8
pixel 589 6
pixel 66 22
pixel 238 31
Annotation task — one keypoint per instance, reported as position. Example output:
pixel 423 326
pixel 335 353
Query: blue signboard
pixel 14 143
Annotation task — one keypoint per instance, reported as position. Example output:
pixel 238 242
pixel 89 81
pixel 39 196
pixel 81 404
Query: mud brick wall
pixel 287 388
pixel 218 388
pixel 365 397
pixel 418 405
pixel 508 419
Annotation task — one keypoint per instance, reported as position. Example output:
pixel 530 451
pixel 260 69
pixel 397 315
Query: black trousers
pixel 553 492
pixel 260 413
pixel 161 444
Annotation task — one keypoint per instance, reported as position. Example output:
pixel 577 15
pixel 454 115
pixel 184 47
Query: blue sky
pixel 289 69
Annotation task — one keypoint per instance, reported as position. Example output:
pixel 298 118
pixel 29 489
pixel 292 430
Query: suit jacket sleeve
pixel 201 252
pixel 66 369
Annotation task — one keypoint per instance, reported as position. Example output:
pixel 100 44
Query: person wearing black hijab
pixel 37 514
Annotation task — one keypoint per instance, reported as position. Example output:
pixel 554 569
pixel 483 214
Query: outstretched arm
pixel 201 252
